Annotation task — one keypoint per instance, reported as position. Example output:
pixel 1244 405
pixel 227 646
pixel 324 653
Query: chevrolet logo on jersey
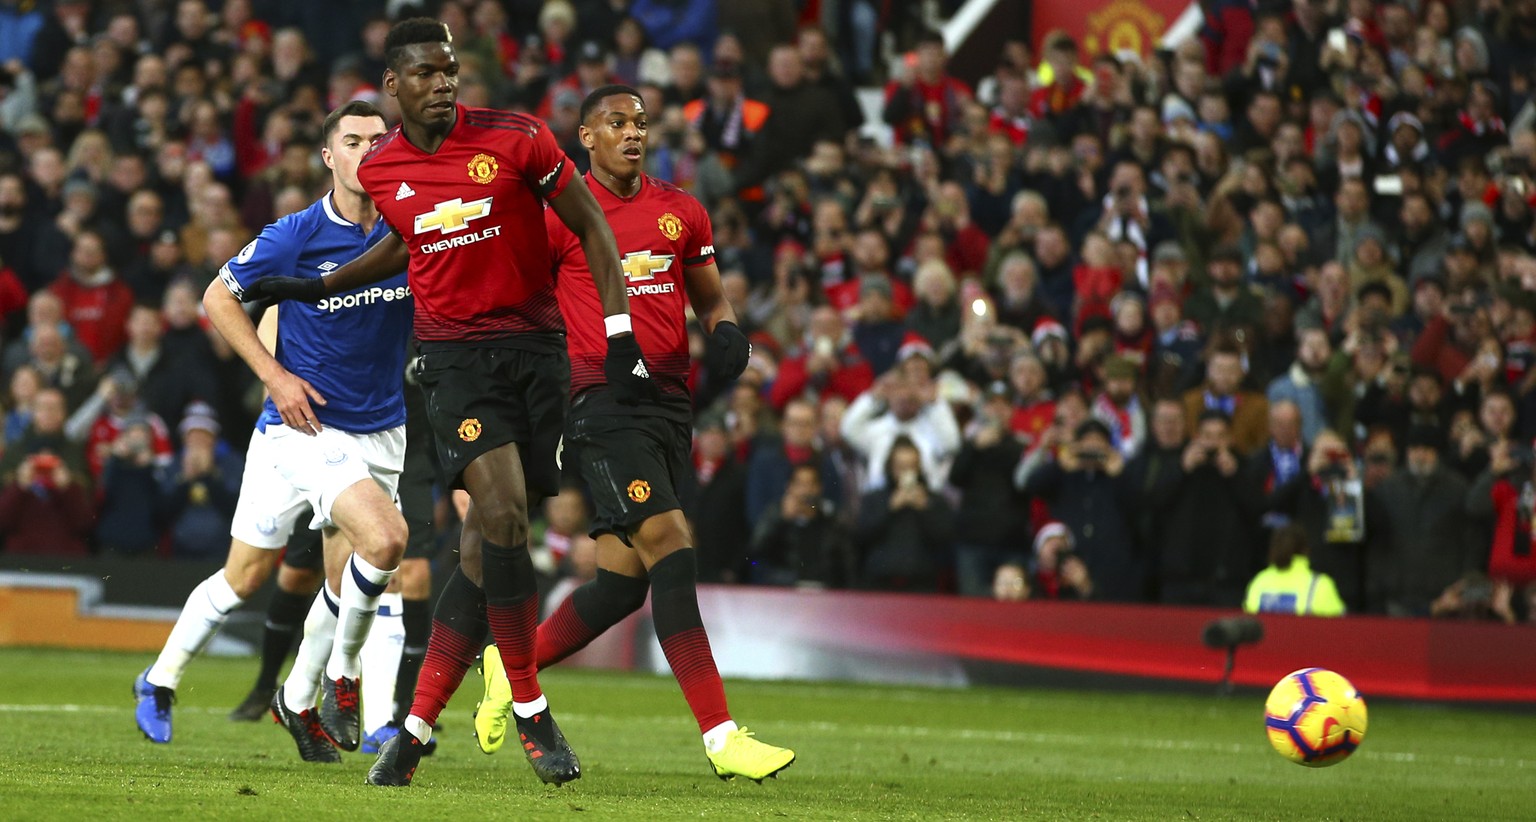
pixel 453 215
pixel 640 266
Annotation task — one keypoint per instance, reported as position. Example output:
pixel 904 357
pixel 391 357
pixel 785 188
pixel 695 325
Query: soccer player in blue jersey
pixel 331 437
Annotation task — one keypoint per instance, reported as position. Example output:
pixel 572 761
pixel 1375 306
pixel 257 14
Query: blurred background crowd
pixel 1096 326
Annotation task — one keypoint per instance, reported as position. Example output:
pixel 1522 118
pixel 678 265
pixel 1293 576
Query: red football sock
pixel 675 608
pixel 457 629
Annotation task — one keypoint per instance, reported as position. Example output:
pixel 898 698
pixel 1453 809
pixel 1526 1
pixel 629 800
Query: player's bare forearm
pixel 235 326
pixel 385 259
pixel 707 297
pixel 578 209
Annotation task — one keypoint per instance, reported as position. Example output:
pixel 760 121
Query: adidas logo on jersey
pixel 404 191
pixel 640 370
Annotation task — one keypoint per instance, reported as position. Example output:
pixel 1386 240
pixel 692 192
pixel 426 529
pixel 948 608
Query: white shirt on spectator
pixel 871 428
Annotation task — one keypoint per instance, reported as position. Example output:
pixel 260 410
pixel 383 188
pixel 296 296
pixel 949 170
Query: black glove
pixel 626 372
pixel 728 350
pixel 303 289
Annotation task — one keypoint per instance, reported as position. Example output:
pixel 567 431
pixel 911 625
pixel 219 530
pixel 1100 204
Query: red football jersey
pixel 661 231
pixel 472 216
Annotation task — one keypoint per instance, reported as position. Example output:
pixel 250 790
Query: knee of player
pixel 415 577
pixel 662 534
pixel 503 521
pixel 248 580
pixel 297 580
pixel 389 542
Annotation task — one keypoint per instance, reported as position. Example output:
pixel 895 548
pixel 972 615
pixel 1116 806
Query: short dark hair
pixel 410 32
pixel 355 108
pixel 601 92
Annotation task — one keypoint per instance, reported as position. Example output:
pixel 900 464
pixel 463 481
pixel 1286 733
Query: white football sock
pixel 527 709
pixel 361 586
pixel 714 738
pixel 207 607
pixel 303 680
pixel 419 728
pixel 380 659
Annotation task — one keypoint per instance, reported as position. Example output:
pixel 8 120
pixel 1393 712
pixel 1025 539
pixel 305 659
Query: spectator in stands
pixel 1246 412
pixel 59 367
pixel 827 363
pixel 1009 584
pixel 199 497
pixel 96 302
pixel 1227 305
pixel 716 504
pixel 45 503
pixel 1056 571
pixel 29 244
pixel 774 459
pixel 936 316
pixel 992 525
pixel 822 72
pixel 1316 382
pixel 1080 481
pixel 799 115
pixel 1209 549
pixel 726 118
pixel 1428 546
pixel 799 541
pixel 905 528
pixel 1289 585
pixel 877 332
pixel 100 422
pixel 902 407
pixel 129 520
pixel 1500 496
pixel 1119 407
pixel 1339 532
pixel 923 103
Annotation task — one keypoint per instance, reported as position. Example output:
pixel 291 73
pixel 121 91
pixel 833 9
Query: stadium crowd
pixel 1096 328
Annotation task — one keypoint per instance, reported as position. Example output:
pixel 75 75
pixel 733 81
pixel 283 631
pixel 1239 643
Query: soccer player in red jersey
pixel 464 190
pixel 630 456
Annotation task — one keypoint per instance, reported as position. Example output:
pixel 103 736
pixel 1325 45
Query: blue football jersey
pixel 350 346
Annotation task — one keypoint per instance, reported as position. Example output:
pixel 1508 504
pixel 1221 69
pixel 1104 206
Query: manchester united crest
pixel 483 168
pixel 469 430
pixel 670 226
pixel 639 490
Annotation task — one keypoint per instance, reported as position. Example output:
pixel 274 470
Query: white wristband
pixel 617 324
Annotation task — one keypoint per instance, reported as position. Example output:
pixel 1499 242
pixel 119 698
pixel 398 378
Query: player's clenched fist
pixel 624 367
pixel 728 350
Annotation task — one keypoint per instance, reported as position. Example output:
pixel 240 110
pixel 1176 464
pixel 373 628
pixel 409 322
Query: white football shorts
pixel 286 470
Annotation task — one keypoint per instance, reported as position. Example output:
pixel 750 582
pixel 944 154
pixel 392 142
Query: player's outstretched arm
pixel 385 259
pixel 290 393
pixel 729 349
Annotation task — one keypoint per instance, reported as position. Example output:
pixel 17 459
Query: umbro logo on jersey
pixel 404 191
pixel 640 371
pixel 328 266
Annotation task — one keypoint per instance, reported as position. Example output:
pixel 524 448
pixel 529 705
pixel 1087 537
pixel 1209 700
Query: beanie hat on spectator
pixel 1169 251
pixel 1051 530
pixel 1477 212
pixel 1425 436
pixel 1045 329
pixel 875 284
pixel 1227 252
pixel 1177 108
pixel 199 416
pixel 914 345
pixel 1367 134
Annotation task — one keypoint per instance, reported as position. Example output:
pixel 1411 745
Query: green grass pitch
pixel 69 751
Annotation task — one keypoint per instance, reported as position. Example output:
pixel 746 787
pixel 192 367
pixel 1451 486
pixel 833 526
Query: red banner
pixel 775 633
pixel 1107 25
